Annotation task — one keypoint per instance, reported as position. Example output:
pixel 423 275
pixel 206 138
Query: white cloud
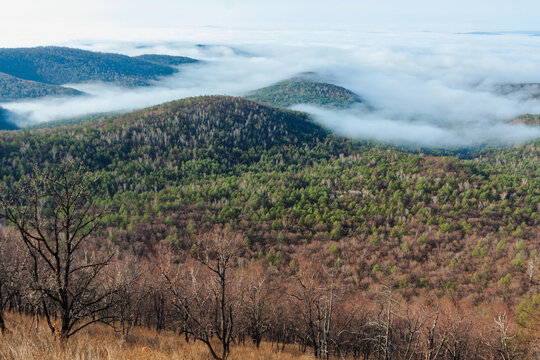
pixel 427 88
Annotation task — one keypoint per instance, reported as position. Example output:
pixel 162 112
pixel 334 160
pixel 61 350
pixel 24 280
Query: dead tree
pixel 202 295
pixel 315 295
pixel 55 216
pixel 256 302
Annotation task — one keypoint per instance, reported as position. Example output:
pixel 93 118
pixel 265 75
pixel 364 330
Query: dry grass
pixel 101 342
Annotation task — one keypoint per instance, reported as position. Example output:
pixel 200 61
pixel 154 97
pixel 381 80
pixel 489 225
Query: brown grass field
pixel 102 342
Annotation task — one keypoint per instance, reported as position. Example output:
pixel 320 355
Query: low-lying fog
pixel 425 89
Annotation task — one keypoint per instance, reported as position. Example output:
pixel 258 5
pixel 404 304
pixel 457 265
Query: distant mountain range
pixel 40 71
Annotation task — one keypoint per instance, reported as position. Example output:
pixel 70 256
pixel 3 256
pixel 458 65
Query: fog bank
pixel 426 89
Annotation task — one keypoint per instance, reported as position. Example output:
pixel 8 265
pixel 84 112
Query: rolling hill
pixel 221 131
pixel 36 72
pixel 423 223
pixel 356 218
pixel 13 88
pixel 301 91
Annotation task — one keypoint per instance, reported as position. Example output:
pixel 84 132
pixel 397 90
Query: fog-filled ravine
pixel 421 89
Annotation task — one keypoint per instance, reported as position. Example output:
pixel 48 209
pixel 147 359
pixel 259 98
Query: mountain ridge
pixel 41 71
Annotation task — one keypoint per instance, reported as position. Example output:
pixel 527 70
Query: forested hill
pixel 13 88
pixel 425 224
pixel 216 131
pixel 301 91
pixel 61 65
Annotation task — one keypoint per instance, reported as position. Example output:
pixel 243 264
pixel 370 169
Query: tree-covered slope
pixel 167 59
pixel 427 224
pixel 61 65
pixel 13 88
pixel 299 91
pixel 219 132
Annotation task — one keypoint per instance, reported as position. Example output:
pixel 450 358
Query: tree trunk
pixel 2 323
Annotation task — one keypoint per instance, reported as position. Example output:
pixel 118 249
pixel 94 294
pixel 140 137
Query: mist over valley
pixel 423 89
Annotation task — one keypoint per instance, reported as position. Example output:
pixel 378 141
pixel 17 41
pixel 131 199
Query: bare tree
pixel 256 301
pixel 315 296
pixel 433 344
pixel 501 340
pixel 54 214
pixel 203 294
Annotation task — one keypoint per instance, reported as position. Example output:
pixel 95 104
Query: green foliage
pixel 528 312
pixel 476 278
pixel 501 245
pixel 334 249
pixel 454 263
pixel 404 281
pixel 404 247
pixel 298 91
pixel 505 280
pixel 517 262
pixel 451 286
pixel 446 227
pixel 479 252
pixel 421 240
pixel 273 258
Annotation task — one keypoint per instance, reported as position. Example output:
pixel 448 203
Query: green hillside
pixel 299 91
pixel 423 223
pixel 211 134
pixel 12 88
pixel 61 65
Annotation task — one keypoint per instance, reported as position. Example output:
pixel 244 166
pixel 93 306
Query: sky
pixel 29 22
